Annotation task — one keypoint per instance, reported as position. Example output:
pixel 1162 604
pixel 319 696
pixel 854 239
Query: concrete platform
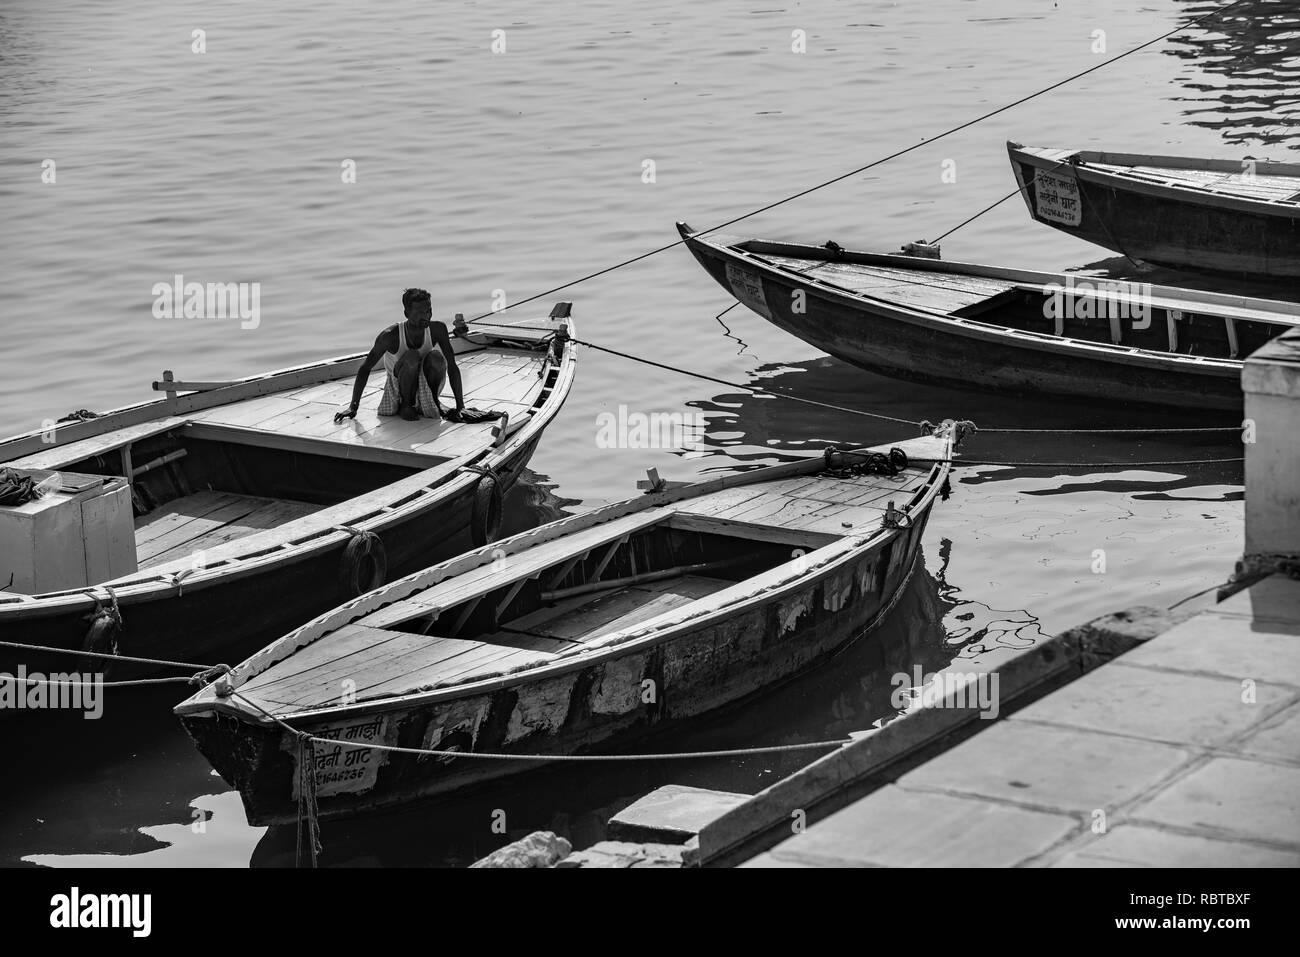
pixel 672 814
pixel 1184 752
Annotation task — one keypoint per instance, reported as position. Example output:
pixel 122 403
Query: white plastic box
pixel 82 535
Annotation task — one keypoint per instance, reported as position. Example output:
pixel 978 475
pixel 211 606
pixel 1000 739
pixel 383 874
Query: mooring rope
pixel 1196 21
pixel 50 682
pixel 188 665
pixel 497 756
pixel 755 390
pixel 988 209
pixel 736 385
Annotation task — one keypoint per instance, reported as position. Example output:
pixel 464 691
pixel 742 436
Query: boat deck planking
pixel 491 380
pixel 1254 185
pixel 203 520
pixel 939 292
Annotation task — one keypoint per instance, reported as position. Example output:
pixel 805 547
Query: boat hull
pixel 1171 227
pixel 605 704
pixel 235 615
pixel 891 341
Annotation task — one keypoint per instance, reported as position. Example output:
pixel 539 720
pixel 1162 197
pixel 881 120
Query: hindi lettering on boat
pixel 1233 216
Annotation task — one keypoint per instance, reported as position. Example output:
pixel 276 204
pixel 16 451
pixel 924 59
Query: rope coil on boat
pixel 867 462
pixel 364 565
pixel 81 415
pixel 960 429
pixel 485 519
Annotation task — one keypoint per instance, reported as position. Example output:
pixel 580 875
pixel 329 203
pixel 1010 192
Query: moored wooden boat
pixel 254 510
pixel 1008 330
pixel 1240 217
pixel 587 632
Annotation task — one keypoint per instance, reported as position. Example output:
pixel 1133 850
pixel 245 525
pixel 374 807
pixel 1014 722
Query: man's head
pixel 417 305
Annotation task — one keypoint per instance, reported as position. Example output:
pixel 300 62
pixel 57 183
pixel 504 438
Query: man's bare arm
pixel 363 374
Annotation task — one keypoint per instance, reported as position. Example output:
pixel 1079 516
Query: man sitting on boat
pixel 415 371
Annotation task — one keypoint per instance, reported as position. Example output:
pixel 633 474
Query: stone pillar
pixel 1271 382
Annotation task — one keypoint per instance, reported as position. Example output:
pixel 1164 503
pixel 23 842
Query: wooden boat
pixel 1009 330
pixel 586 632
pixel 1229 216
pixel 254 510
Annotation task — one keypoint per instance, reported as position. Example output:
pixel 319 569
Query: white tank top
pixel 391 358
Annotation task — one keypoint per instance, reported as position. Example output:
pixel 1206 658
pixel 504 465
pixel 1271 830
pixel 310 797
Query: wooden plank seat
pixel 821 506
pixel 64 455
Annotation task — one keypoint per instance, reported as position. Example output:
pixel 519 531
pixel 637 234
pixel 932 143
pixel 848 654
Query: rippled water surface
pixel 478 172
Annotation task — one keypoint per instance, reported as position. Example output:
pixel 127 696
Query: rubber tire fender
pixel 364 565
pixel 485 519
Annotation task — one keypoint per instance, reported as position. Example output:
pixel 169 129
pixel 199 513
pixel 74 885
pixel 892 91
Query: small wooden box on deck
pixel 82 535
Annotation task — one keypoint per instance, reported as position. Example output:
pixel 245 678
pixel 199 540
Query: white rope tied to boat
pixel 754 390
pixel 187 665
pixel 55 683
pixel 580 758
pixel 496 756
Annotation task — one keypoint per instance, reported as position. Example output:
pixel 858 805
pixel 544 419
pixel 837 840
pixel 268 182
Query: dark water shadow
pixel 758 429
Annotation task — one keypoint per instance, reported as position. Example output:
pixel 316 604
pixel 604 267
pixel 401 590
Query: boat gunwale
pixel 835 554
pixel 449 476
pixel 1186 193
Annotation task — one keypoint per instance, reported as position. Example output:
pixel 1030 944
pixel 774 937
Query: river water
pixel 482 174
